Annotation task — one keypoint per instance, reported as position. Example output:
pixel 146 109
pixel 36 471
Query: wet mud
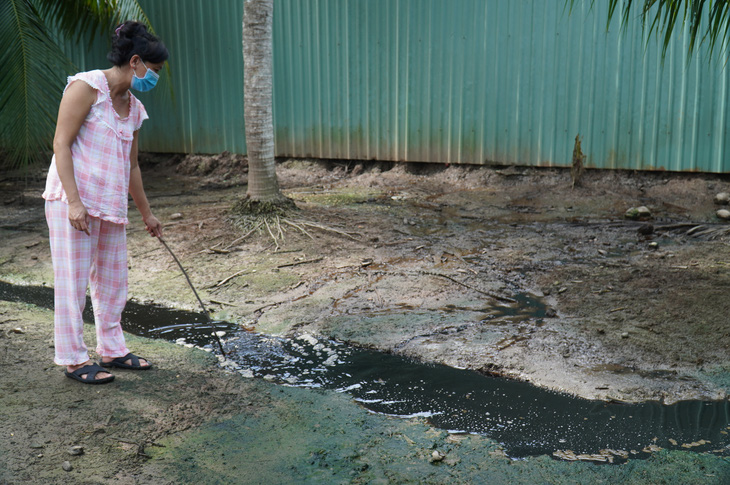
pixel 524 419
pixel 499 272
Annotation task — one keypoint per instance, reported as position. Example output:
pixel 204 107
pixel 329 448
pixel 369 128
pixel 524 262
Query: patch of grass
pixel 341 198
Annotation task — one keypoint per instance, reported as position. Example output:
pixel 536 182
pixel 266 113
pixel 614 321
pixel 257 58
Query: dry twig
pixel 226 280
pixel 245 235
pixel 491 295
pixel 297 263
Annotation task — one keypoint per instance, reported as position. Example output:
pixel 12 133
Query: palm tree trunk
pixel 263 185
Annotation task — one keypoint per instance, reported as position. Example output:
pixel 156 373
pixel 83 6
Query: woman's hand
pixel 153 226
pixel 78 217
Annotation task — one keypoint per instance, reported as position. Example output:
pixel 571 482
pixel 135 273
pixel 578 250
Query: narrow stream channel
pixel 527 420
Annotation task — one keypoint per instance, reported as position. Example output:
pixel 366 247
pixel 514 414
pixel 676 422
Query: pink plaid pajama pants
pixel 79 260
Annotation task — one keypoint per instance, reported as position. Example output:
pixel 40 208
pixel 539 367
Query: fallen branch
pixel 295 286
pixel 670 227
pixel 491 295
pixel 260 309
pixel 244 236
pixel 712 233
pixel 218 251
pixel 125 440
pixel 226 280
pixel 223 303
pixel 329 229
pixel 400 241
pixel 297 263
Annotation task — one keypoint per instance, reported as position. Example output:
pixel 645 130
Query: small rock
pixel 437 456
pixel 636 213
pixel 176 216
pixel 646 229
pixel 625 335
pixel 551 312
pixel 653 245
pixel 76 450
pixel 723 214
pixel 723 198
pixel 66 466
pixel 18 330
pixel 452 461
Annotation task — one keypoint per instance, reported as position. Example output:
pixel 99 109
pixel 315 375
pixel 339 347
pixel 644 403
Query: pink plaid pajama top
pixel 100 154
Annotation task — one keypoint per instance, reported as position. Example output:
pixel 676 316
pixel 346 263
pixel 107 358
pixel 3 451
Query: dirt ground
pixel 507 271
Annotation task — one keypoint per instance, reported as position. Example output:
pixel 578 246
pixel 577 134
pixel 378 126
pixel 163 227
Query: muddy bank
pixel 187 421
pixel 506 271
pixel 419 260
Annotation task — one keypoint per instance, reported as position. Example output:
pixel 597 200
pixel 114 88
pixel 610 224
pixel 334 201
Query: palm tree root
pixel 281 206
pixel 274 219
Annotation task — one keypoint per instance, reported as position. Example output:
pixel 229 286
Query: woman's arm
pixel 136 189
pixel 75 106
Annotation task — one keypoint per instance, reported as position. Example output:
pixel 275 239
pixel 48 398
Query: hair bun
pixel 132 38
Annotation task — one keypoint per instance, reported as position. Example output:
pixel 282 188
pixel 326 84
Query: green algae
pixel 308 436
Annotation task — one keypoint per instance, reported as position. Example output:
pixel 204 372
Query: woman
pixel 94 167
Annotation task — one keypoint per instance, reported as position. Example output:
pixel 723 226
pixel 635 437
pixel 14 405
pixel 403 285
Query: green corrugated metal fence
pixel 451 81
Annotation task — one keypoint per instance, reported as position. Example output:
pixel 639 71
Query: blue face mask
pixel 147 82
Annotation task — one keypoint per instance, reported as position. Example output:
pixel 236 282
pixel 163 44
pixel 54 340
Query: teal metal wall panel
pixel 479 81
pixel 206 67
pixel 470 81
pixel 197 106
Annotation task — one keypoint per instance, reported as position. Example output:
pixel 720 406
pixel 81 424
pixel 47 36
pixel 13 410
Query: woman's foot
pixel 129 361
pixel 99 376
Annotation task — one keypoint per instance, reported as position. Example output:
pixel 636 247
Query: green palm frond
pixel 708 20
pixel 34 67
pixel 80 18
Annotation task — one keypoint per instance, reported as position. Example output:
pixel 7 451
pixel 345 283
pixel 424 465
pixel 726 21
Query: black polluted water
pixel 525 419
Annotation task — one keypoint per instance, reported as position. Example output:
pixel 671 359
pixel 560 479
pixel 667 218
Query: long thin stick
pixel 205 311
pixel 244 236
pixel 492 295
pixel 296 263
pixel 223 282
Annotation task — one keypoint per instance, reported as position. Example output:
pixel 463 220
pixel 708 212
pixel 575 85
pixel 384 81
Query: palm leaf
pixel 34 65
pixel 77 19
pixel 30 81
pixel 663 17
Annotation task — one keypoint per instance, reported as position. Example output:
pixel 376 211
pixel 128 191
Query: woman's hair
pixel 132 37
